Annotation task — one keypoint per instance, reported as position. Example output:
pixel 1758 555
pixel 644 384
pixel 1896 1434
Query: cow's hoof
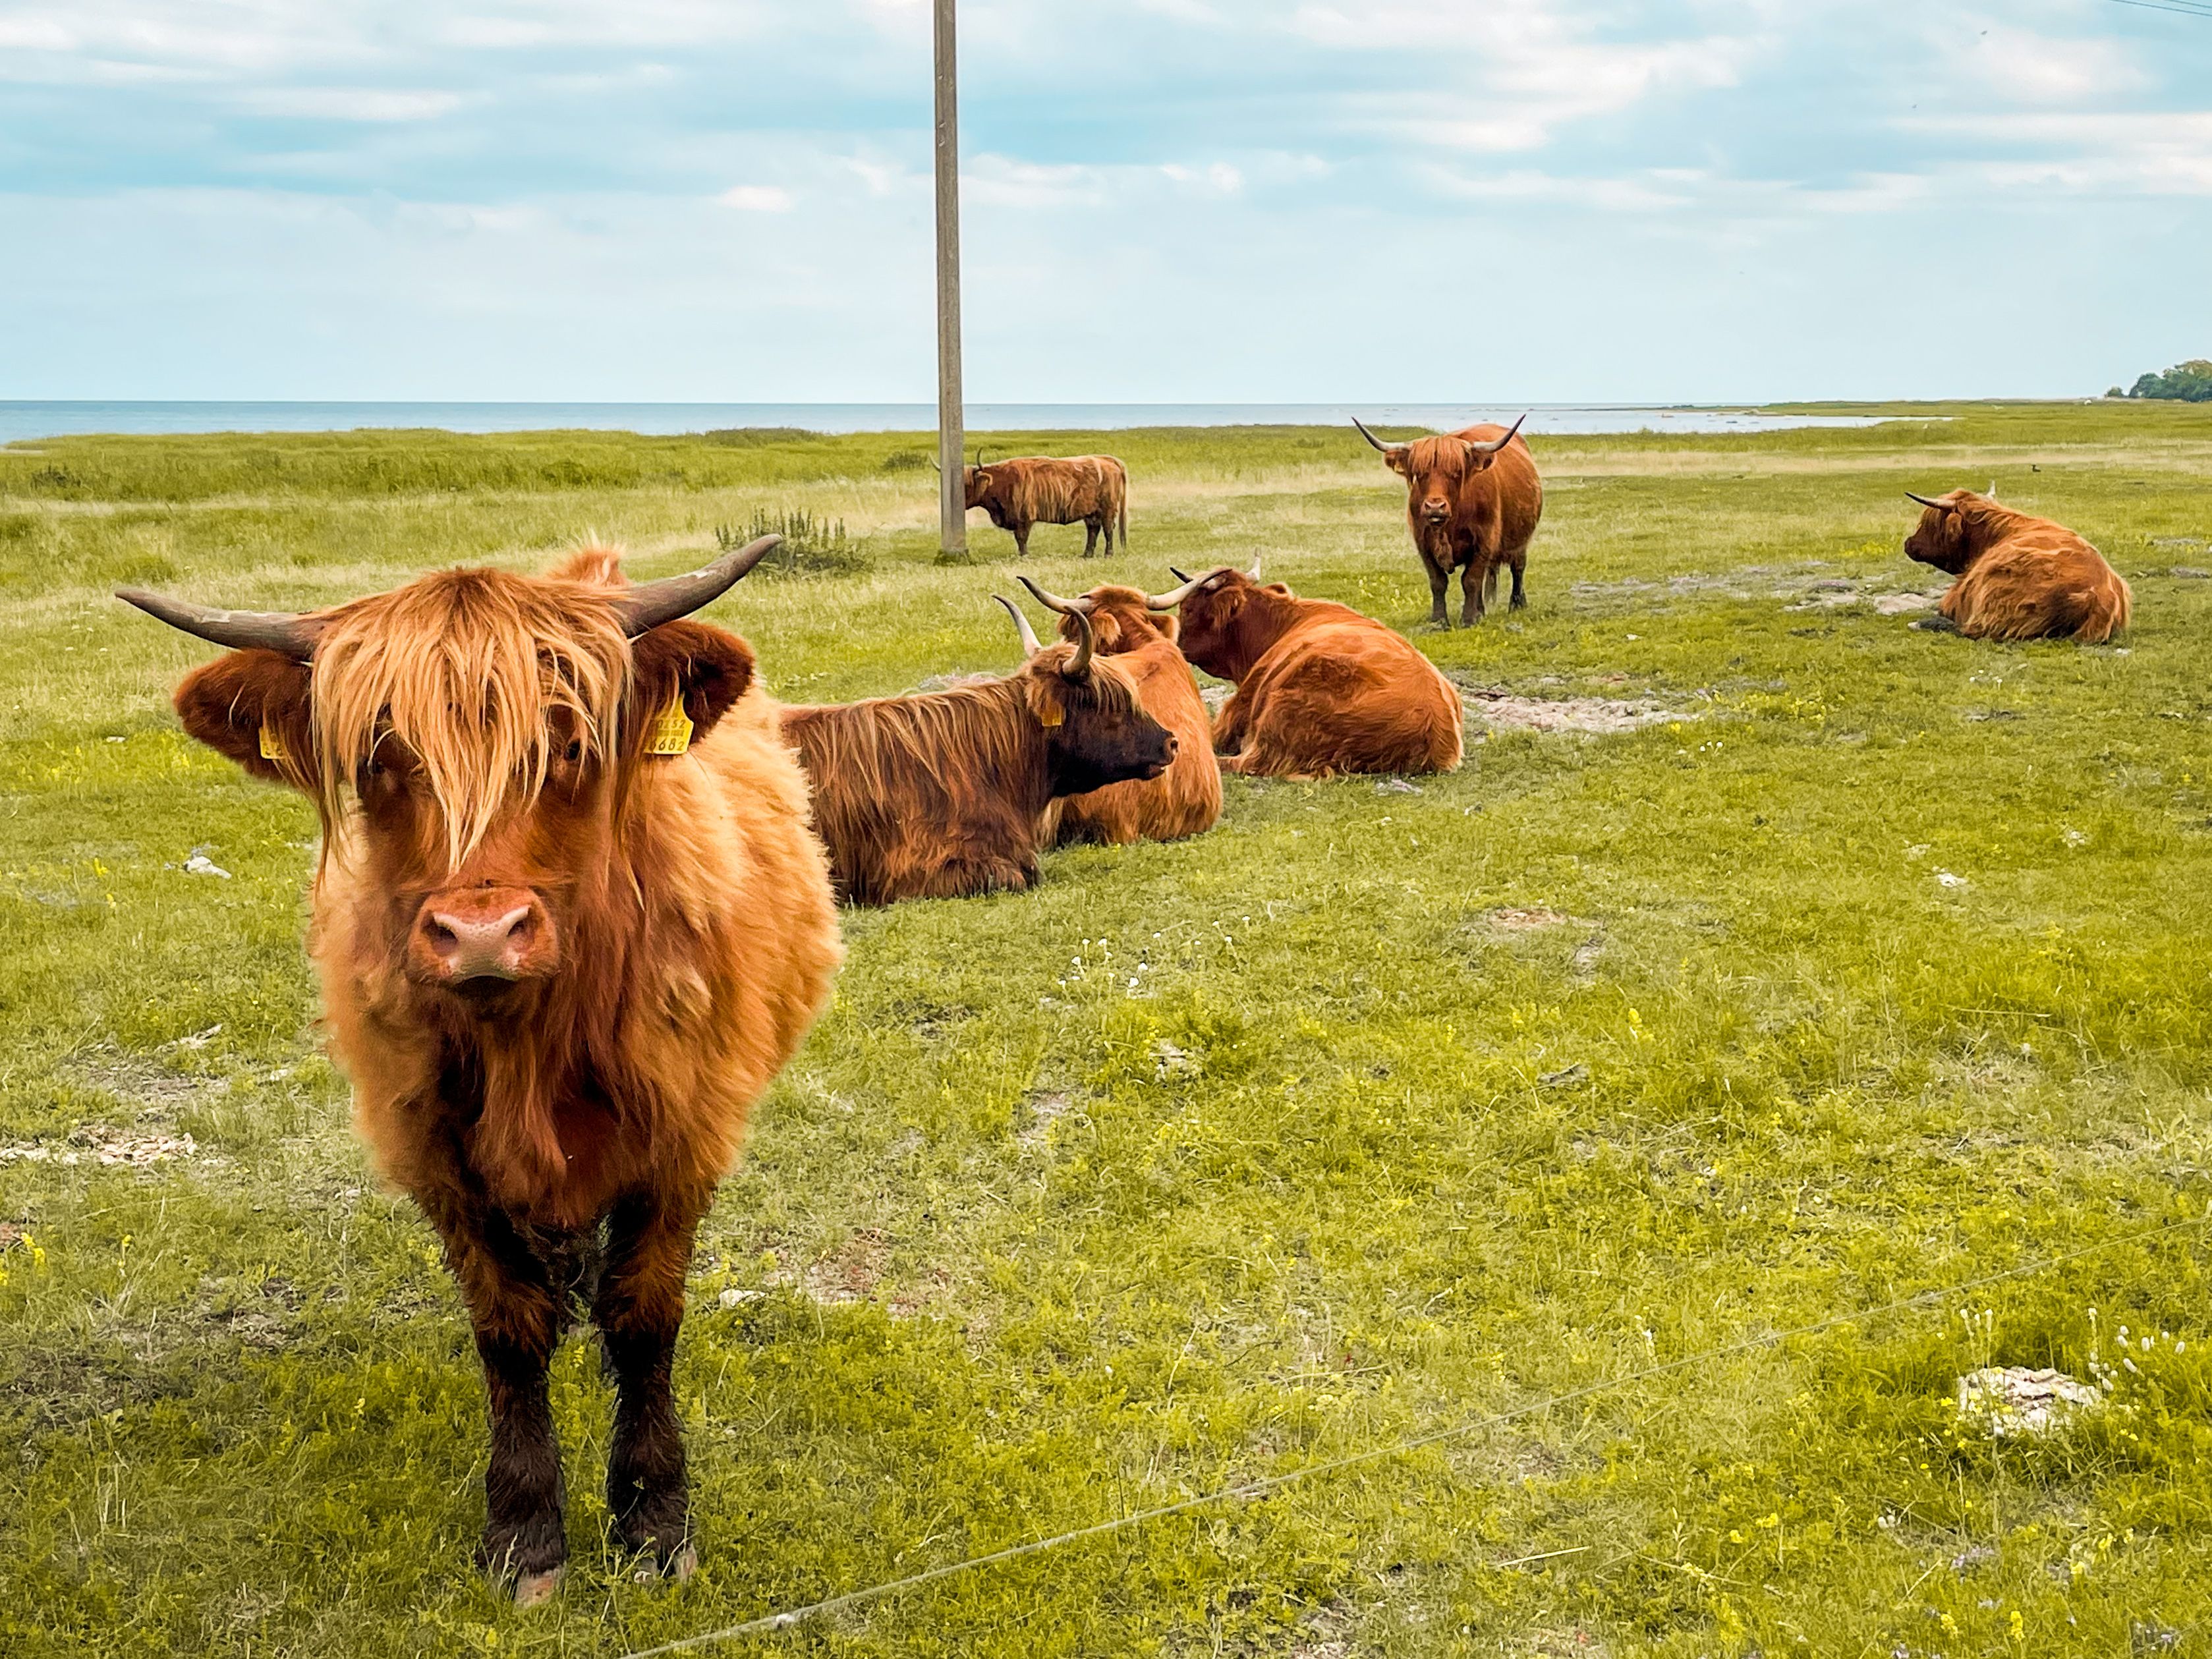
pixel 533 1590
pixel 679 1567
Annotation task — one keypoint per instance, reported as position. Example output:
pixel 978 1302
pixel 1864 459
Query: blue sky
pixel 1207 200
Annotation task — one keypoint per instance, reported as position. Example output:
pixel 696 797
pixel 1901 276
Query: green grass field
pixel 1871 962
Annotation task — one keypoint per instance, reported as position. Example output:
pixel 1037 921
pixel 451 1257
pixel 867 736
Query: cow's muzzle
pixel 481 937
pixel 1436 511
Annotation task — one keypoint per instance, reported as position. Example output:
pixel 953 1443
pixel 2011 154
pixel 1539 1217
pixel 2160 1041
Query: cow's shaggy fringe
pixel 466 668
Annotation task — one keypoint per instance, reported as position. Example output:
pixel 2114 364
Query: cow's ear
pixel 1168 623
pixel 703 668
pixel 253 706
pixel 1399 459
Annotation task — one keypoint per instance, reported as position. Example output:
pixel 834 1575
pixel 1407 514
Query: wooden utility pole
pixel 951 435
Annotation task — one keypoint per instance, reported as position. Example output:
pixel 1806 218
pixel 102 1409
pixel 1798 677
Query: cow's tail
pixel 1121 510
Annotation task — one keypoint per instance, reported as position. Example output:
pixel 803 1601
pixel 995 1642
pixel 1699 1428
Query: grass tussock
pixel 1875 966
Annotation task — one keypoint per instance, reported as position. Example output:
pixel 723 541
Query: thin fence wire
pixel 769 1624
pixel 2180 7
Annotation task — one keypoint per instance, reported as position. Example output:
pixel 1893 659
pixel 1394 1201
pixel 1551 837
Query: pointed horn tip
pixel 1078 665
pixel 1049 599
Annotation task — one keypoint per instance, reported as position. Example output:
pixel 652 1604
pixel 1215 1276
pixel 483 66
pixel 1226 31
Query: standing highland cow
pixel 1473 500
pixel 2019 578
pixel 1092 490
pixel 569 922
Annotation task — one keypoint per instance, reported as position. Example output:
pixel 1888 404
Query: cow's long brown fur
pixel 1185 798
pixel 1494 503
pixel 1320 688
pixel 938 794
pixel 478 729
pixel 1092 490
pixel 2019 577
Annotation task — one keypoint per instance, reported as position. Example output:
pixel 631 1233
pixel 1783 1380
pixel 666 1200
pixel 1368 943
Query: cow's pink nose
pixel 480 947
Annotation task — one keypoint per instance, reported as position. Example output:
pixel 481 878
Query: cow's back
pixel 1339 692
pixel 2042 581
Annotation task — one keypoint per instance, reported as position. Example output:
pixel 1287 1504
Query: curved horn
pixel 1180 576
pixel 1051 601
pixel 1991 492
pixel 647 606
pixel 1923 500
pixel 1078 665
pixel 1373 439
pixel 1493 446
pixel 1030 645
pixel 1174 596
pixel 241 631
pixel 1254 573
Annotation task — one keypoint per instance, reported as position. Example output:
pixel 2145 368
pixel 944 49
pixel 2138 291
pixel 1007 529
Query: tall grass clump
pixel 814 545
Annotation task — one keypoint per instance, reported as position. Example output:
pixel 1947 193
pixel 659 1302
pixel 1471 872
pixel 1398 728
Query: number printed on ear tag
pixel 272 746
pixel 671 731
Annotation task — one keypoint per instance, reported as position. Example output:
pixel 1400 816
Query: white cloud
pixel 2040 69
pixel 757 198
pixel 352 103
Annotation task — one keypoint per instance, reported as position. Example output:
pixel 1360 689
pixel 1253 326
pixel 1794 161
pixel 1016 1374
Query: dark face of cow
pixel 1226 620
pixel 981 486
pixel 1944 536
pixel 468 740
pixel 1096 730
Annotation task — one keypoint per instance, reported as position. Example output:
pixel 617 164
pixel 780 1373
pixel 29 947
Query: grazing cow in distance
pixel 1320 689
pixel 2019 578
pixel 569 922
pixel 1473 500
pixel 940 794
pixel 1092 490
pixel 1185 798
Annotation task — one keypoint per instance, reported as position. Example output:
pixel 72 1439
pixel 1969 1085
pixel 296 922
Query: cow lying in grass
pixel 1320 689
pixel 569 922
pixel 2019 578
pixel 940 794
pixel 1185 798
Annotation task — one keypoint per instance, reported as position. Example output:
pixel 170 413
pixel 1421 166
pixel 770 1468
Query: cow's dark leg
pixel 1090 538
pixel 1021 541
pixel 1472 576
pixel 1440 590
pixel 1519 559
pixel 639 1310
pixel 515 1306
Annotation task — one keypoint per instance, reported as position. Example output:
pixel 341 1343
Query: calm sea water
pixel 20 420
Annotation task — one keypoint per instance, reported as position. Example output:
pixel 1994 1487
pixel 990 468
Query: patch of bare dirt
pixel 845 1276
pixel 1045 1107
pixel 1495 706
pixel 95 1145
pixel 1512 921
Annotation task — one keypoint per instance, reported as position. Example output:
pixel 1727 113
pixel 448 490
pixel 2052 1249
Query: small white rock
pixel 201 865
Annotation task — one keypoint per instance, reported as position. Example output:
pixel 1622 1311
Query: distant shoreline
pixel 29 419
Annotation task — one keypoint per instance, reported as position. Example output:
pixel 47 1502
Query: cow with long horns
pixel 1321 688
pixel 1141 636
pixel 570 921
pixel 2019 577
pixel 1091 491
pixel 940 794
pixel 1472 501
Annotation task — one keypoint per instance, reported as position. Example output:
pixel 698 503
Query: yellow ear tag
pixel 272 746
pixel 1052 715
pixel 671 734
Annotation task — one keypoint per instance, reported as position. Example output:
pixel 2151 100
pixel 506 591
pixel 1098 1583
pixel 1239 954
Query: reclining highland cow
pixel 2019 578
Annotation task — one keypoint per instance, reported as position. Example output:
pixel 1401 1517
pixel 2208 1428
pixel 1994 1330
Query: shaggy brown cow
pixel 1320 689
pixel 939 794
pixel 1473 500
pixel 1184 800
pixel 2019 578
pixel 570 921
pixel 1033 489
